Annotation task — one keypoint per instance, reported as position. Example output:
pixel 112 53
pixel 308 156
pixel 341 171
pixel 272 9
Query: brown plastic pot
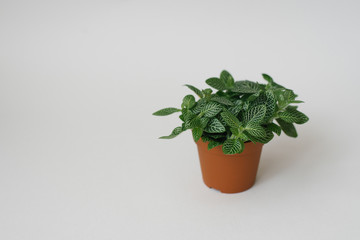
pixel 229 173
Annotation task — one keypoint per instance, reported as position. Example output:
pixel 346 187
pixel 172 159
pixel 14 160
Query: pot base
pixel 230 192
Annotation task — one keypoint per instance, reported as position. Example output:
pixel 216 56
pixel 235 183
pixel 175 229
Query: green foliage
pixel 195 90
pixel 274 128
pixel 237 112
pixel 214 126
pixel 255 114
pixel 197 132
pixel 226 77
pixel 288 128
pixel 188 101
pixel 166 111
pixel 230 119
pixel 213 144
pixel 255 130
pixel 216 83
pixel 232 146
pixel 211 109
pixel 245 87
pixel 222 100
pixel 173 134
pixel 292 115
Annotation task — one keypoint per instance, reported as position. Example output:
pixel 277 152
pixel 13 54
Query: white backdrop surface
pixel 79 154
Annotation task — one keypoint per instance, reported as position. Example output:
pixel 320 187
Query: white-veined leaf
pixel 233 146
pixel 230 119
pixel 214 126
pixel 255 130
pixel 222 100
pixel 291 115
pixel 245 87
pixel 211 109
pixel 255 114
pixel 216 83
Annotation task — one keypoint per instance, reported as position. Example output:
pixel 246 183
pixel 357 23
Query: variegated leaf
pixel 216 83
pixel 211 109
pixel 230 119
pixel 255 130
pixel 215 126
pixel 233 146
pixel 255 114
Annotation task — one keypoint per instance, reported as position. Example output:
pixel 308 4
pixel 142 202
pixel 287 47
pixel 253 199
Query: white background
pixel 79 154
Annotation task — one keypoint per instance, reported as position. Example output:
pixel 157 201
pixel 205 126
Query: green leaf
pixel 207 92
pixel 173 134
pixel 188 101
pixel 211 109
pixel 197 132
pixel 204 121
pixel 213 144
pixel 215 126
pixel 274 128
pixel 226 77
pixel 253 96
pixel 271 81
pixel 235 131
pixel 222 100
pixel 233 146
pixel 216 136
pixel 193 123
pixel 255 114
pixel 267 78
pixel 243 137
pixel 195 90
pixel 236 109
pixel 188 114
pixel 292 115
pixel 288 128
pixel 230 119
pixel 270 105
pixel 205 139
pixel 296 101
pixel 166 111
pixel 266 139
pixel 289 95
pixel 245 87
pixel 199 106
pixel 216 83
pixel 255 130
pixel 246 106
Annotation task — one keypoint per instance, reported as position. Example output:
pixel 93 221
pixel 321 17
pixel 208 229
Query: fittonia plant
pixel 239 111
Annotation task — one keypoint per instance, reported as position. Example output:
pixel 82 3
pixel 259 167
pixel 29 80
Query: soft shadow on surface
pixel 279 156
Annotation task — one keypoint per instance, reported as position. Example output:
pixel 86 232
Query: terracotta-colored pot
pixel 229 173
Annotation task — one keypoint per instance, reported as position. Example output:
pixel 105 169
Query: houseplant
pixel 231 123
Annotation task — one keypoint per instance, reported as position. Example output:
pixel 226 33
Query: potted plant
pixel 231 124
